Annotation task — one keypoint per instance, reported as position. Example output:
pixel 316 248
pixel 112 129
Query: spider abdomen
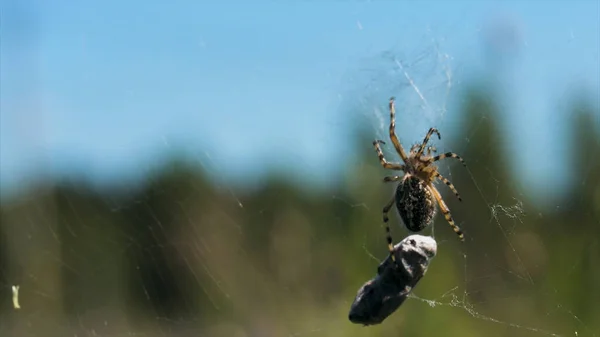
pixel 415 204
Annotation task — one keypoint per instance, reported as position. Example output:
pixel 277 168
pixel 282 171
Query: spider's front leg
pixel 426 140
pixel 382 160
pixel 448 155
pixel 393 137
pixel 430 149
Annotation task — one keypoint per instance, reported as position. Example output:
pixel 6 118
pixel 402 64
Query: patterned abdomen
pixel 415 204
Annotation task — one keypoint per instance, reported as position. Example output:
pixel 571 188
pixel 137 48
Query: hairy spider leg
pixel 393 137
pixel 430 149
pixel 446 212
pixel 448 155
pixel 426 140
pixel 382 160
pixel 388 232
pixel 447 182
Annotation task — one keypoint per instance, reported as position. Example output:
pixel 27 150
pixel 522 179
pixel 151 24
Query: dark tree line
pixel 178 254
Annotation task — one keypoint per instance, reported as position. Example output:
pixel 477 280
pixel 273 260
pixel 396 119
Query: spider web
pixel 180 253
pixel 423 84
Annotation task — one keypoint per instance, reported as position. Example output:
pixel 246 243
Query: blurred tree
pixel 573 231
pixel 180 253
pixel 487 188
pixel 160 241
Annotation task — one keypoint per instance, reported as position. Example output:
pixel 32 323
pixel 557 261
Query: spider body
pixel 415 204
pixel 415 196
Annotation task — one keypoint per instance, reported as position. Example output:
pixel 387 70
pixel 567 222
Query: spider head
pixel 427 152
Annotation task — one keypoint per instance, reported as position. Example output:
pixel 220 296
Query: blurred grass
pixel 179 257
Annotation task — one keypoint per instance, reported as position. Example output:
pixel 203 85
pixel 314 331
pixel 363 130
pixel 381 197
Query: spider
pixel 415 194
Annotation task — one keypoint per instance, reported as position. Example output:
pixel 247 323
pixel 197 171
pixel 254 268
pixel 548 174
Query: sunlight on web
pixel 455 302
pixel 415 78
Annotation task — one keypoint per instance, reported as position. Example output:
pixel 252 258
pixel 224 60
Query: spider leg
pixel 447 182
pixel 393 137
pixel 429 133
pixel 446 212
pixel 430 149
pixel 382 160
pixel 448 155
pixel 390 179
pixel 388 234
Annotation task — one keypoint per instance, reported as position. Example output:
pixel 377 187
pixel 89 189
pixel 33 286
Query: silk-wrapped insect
pixel 382 295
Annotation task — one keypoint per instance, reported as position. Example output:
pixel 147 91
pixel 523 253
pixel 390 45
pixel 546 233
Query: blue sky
pixel 106 89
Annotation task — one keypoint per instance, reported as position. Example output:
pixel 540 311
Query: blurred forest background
pixel 180 255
